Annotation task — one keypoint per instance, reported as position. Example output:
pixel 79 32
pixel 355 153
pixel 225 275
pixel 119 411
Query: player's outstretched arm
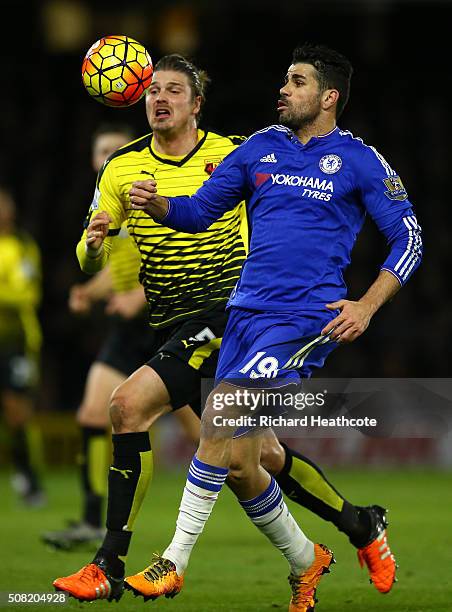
pixel 404 237
pixel 188 214
pixel 385 199
pixel 354 317
pixel 193 214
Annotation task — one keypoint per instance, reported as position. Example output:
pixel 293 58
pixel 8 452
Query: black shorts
pixel 188 352
pixel 181 354
pixel 128 344
pixel 18 372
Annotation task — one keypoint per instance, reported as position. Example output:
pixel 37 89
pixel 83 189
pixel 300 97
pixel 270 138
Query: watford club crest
pixel 210 165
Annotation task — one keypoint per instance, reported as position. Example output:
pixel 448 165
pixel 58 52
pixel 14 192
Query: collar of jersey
pixel 173 160
pixel 315 139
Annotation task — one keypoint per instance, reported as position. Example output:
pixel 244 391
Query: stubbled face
pixel 7 211
pixel 170 105
pixel 105 145
pixel 299 100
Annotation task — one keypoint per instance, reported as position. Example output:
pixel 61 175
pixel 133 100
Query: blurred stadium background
pixel 398 103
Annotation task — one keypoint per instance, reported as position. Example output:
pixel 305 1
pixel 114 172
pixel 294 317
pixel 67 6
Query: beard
pixel 301 117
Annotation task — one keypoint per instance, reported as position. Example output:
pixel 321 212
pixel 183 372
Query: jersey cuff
pixel 394 274
pixel 162 219
pixel 93 254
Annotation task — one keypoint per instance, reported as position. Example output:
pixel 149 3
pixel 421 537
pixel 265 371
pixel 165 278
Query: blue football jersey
pixel 306 205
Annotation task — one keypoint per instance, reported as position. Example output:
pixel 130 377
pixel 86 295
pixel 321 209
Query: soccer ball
pixel 117 70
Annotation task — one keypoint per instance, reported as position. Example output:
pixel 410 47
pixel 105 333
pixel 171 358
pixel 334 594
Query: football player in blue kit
pixel 308 187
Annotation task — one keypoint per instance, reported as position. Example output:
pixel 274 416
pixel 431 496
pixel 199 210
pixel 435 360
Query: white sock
pixel 269 513
pixel 203 484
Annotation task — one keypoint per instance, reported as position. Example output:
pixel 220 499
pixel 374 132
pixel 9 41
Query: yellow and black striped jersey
pixel 182 274
pixel 124 262
pixel 20 293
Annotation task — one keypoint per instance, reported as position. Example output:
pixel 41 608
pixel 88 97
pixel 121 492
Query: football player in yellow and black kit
pixel 187 281
pixel 117 285
pixel 125 348
pixel 20 343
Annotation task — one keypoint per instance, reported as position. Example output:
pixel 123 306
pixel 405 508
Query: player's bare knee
pixel 131 410
pixel 207 419
pixel 217 421
pixel 272 455
pixel 124 416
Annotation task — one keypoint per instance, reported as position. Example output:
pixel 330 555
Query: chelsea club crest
pixel 330 164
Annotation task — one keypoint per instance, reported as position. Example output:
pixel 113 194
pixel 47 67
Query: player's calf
pixel 138 402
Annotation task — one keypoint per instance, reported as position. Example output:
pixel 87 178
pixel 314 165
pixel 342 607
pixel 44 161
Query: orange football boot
pixel 159 578
pixel 304 586
pixel 377 555
pixel 90 583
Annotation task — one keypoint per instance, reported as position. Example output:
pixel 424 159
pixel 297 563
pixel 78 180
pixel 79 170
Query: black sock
pixel 115 565
pixel 304 483
pixel 21 457
pixel 128 480
pixel 359 529
pixel 94 473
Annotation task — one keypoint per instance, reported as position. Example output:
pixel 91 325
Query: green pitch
pixel 233 567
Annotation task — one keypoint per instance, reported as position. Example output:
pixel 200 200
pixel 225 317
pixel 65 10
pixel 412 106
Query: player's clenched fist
pixel 97 230
pixel 144 196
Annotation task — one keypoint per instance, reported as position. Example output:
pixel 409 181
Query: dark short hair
pixel 333 70
pixel 114 128
pixel 198 79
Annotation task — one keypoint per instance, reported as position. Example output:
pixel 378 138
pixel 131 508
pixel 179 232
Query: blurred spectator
pixel 20 343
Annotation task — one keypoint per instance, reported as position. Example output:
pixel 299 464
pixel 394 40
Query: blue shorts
pixel 272 348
